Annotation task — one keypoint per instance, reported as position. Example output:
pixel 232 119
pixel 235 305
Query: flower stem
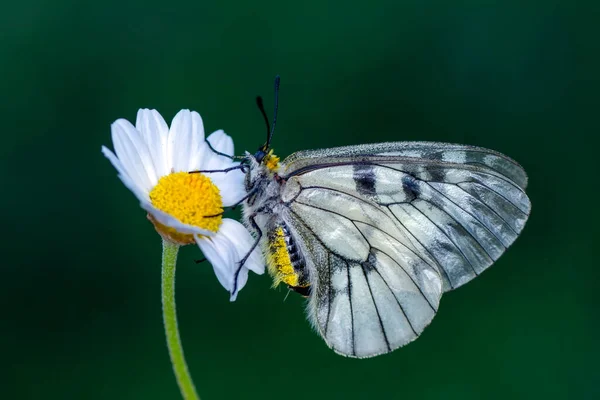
pixel 184 380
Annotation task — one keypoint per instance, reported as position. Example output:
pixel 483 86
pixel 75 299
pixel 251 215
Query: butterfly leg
pixel 218 152
pixel 246 197
pixel 259 234
pixel 241 167
pixel 234 206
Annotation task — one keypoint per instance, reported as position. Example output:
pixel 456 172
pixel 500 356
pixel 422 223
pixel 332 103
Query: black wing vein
pixel 385 338
pixel 468 213
pixel 351 310
pixel 370 246
pixel 422 245
pixel 396 298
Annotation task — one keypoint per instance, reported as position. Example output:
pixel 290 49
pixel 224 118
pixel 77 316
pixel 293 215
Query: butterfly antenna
pixel 277 80
pixel 261 107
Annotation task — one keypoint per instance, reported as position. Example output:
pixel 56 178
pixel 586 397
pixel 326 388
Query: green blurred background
pixel 81 316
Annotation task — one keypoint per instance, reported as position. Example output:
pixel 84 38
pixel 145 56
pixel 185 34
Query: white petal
pixel 170 221
pixel 154 131
pixel 180 141
pixel 221 255
pixel 226 249
pixel 138 191
pixel 231 186
pixel 198 146
pixel 133 154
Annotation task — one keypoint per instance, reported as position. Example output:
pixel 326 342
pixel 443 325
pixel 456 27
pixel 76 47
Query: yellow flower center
pixel 191 198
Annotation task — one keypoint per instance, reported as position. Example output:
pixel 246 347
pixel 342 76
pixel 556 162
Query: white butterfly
pixel 374 234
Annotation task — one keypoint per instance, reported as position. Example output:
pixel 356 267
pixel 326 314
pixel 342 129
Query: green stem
pixel 184 380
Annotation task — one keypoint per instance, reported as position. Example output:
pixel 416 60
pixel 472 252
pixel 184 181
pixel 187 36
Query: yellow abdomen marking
pixel 278 260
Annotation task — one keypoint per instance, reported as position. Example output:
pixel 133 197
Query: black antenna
pixel 261 107
pixel 277 79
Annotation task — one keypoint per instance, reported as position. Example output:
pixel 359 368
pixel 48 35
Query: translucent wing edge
pixel 422 152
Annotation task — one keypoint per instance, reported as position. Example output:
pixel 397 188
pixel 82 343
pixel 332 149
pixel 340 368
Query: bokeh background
pixel 80 272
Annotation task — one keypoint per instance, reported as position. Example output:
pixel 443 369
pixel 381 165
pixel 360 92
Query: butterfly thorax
pixel 265 206
pixel 262 184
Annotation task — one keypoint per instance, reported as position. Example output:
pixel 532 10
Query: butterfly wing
pixel 388 227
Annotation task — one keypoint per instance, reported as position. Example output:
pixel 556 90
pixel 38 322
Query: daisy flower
pixel 155 161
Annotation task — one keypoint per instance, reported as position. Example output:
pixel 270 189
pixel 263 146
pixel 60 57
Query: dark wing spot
pixel 369 265
pixel 365 179
pixel 437 174
pixel 410 187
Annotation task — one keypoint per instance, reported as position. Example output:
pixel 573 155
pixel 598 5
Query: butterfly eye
pixel 260 155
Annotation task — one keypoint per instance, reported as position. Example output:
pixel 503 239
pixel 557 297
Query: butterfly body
pixel 267 208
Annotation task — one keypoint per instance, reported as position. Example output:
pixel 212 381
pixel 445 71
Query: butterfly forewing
pixel 387 228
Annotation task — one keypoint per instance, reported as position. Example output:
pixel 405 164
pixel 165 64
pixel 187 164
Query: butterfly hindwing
pixel 370 306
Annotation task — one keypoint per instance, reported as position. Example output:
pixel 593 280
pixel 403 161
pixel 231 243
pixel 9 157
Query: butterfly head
pixel 266 157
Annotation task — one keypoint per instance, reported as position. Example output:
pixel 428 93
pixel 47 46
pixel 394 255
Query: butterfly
pixel 374 234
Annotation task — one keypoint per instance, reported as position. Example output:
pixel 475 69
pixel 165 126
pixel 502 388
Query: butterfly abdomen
pixel 284 260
